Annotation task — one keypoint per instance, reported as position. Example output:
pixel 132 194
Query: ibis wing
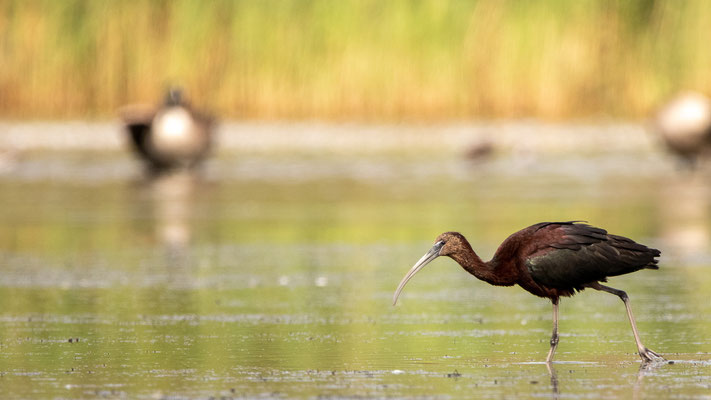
pixel 577 254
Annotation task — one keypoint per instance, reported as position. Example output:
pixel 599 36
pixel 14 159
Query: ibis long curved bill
pixel 426 259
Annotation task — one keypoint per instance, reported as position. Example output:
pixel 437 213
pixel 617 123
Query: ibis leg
pixel 646 354
pixel 554 337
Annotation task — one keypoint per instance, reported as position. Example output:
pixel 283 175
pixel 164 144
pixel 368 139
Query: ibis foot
pixel 648 356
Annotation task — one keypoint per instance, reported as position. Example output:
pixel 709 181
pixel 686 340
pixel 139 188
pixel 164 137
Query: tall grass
pixel 350 59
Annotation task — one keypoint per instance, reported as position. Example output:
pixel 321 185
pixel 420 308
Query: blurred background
pixel 345 60
pixel 203 199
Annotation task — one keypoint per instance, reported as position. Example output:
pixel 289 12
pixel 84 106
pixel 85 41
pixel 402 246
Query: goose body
pixel 173 135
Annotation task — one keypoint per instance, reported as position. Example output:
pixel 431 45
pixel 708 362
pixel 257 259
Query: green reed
pixel 350 59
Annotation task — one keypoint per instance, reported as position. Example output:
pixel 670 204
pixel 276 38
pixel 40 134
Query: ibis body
pixel 551 260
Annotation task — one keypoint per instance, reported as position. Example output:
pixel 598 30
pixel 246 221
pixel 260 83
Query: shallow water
pixel 272 275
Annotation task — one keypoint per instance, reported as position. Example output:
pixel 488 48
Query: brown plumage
pixel 551 260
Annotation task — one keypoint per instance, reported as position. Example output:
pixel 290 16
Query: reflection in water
pixel 644 370
pixel 554 380
pixel 172 200
pixel 168 203
pixel 684 215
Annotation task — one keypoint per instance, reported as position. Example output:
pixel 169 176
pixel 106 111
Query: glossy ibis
pixel 685 125
pixel 551 260
pixel 173 135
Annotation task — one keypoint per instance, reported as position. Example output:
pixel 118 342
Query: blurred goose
pixel 171 136
pixel 685 125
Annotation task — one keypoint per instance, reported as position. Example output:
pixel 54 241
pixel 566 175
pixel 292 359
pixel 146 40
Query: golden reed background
pixel 353 59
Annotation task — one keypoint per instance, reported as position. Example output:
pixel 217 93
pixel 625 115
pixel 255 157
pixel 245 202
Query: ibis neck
pixel 473 264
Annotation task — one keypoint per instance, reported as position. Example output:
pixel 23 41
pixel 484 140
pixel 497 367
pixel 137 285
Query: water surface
pixel 271 276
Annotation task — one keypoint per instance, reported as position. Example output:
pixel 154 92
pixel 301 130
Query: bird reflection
pixel 171 202
pixel 645 369
pixel 684 214
pixel 554 380
pixel 173 196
